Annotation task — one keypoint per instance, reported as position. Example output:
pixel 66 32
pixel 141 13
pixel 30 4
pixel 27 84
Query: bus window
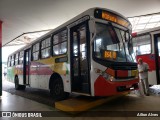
pixel 142 44
pixel 12 60
pixel 60 43
pixel 21 54
pixel 35 52
pixel 9 61
pixel 45 48
pixel 16 59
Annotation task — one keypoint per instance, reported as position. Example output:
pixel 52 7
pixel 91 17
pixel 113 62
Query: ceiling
pixel 143 22
pixel 22 16
pixel 26 38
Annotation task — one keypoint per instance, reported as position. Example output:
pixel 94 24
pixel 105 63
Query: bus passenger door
pixel 26 67
pixel 79 59
pixel 157 56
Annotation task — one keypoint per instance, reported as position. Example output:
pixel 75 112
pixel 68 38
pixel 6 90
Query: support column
pixel 0 58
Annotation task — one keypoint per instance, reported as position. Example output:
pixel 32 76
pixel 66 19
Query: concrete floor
pixel 41 96
pixel 131 102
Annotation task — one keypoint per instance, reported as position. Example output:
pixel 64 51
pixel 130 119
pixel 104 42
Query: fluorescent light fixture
pixel 158 24
pixel 156 16
pixel 154 20
pixel 151 25
pixel 140 26
pixel 143 22
pixel 27 38
pixel 144 19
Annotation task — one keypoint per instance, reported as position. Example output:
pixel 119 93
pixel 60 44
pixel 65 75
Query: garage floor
pixel 126 104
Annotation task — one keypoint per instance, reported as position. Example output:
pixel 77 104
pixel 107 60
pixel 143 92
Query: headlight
pixel 108 77
pixel 112 78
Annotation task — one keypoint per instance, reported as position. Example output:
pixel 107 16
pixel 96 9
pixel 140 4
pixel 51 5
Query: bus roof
pixel 89 12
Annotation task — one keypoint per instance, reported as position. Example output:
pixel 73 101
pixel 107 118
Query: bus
pixel 146 45
pixel 88 55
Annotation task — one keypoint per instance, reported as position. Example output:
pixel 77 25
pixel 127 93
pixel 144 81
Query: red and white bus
pixel 147 46
pixel 88 55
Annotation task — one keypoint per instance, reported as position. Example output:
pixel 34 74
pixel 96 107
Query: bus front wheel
pixel 17 85
pixel 57 90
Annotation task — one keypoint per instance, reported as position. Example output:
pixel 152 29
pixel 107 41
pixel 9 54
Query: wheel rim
pixel 58 89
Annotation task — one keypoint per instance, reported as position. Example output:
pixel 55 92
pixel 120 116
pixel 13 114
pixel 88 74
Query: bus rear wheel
pixel 17 85
pixel 57 90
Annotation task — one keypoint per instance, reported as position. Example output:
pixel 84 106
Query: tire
pixel 22 87
pixel 17 85
pixel 57 90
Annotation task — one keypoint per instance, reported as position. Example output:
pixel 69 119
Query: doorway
pixel 80 73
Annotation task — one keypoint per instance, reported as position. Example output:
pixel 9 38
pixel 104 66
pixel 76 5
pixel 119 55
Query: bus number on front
pixel 110 55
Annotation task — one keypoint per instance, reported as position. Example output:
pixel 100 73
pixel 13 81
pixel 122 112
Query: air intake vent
pixel 133 67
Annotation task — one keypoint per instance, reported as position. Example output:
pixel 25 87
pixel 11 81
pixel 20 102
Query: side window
pixel 60 43
pixel 21 55
pixel 9 61
pixel 142 44
pixel 35 52
pixel 16 58
pixel 12 60
pixel 46 48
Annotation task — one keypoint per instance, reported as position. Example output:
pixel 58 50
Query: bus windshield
pixel 111 44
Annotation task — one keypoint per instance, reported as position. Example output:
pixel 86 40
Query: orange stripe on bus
pixel 110 71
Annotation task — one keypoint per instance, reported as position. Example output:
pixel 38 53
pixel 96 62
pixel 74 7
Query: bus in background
pixel 146 45
pixel 88 55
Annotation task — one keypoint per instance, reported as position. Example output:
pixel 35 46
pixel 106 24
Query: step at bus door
pixel 79 59
pixel 157 56
pixel 27 56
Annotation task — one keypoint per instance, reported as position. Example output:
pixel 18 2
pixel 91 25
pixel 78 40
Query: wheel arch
pixel 53 77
